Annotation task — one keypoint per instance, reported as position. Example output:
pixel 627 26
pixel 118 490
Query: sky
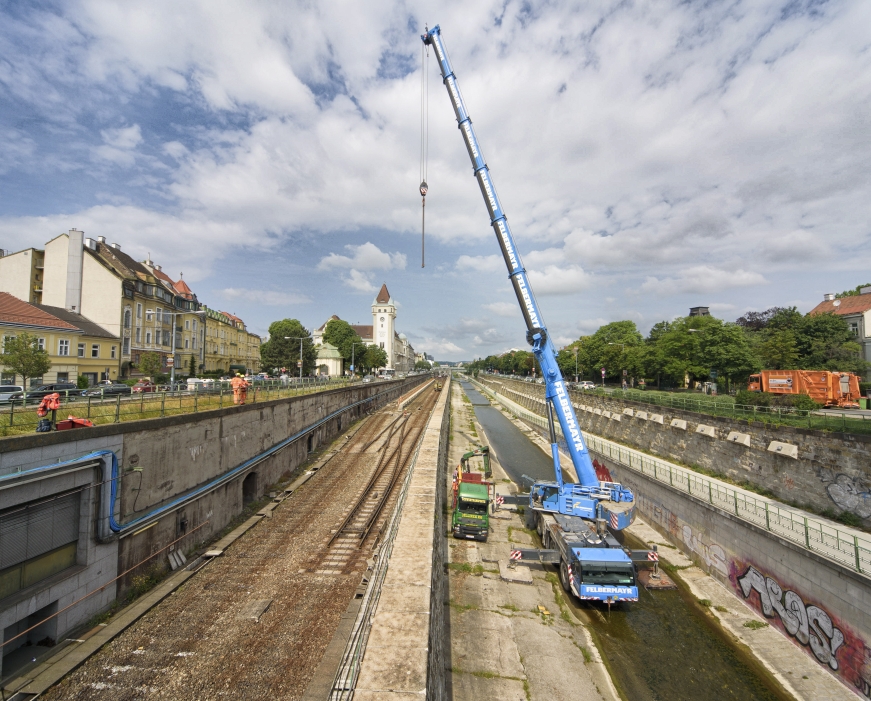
pixel 650 156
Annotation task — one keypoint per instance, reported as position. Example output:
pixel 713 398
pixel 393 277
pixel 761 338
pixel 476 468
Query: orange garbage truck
pixel 839 389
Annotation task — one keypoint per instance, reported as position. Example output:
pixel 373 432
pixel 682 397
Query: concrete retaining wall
pixel 405 654
pixel 830 470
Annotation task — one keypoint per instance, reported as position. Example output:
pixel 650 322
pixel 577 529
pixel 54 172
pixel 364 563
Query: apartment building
pixel 75 345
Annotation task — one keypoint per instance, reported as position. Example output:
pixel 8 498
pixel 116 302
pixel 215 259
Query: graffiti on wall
pixel 831 643
pixel 808 624
pixel 849 493
pixel 827 640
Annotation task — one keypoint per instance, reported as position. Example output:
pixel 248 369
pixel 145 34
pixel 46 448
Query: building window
pixel 95 350
pixel 159 315
pixel 138 311
pixel 149 315
pixel 187 343
pixel 854 328
pixel 81 350
pixel 63 377
pixel 187 325
pixel 127 318
pixel 194 344
pixel 125 347
pixel 148 337
pixel 138 334
pixel 194 326
pixel 382 344
pixel 40 344
pixel 63 347
pixel 157 337
pixel 113 352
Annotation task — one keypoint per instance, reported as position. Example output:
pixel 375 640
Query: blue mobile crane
pixel 573 519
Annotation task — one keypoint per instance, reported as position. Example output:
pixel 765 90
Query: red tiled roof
pixel 14 311
pixel 364 332
pixel 383 295
pixel 183 289
pixel 846 305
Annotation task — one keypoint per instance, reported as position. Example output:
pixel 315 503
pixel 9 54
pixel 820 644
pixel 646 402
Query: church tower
pixel 383 322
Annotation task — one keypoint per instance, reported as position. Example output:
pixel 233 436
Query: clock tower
pixel 383 321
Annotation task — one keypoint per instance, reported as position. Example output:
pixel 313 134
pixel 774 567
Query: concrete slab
pixel 404 597
pixel 397 628
pixel 483 642
pixel 469 686
pixel 519 574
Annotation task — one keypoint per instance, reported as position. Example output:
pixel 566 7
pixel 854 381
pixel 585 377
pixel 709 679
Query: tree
pixel 150 364
pixel 192 366
pixel 340 334
pixel 374 357
pixel 852 293
pixel 22 355
pixel 779 350
pixel 615 347
pixel 825 342
pixel 281 352
pixel 724 348
pixel 422 365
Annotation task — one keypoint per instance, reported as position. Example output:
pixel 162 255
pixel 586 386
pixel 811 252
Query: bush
pixel 747 398
pixel 82 382
pixel 800 402
pixel 864 388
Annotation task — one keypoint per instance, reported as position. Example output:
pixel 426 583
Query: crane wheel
pixel 539 525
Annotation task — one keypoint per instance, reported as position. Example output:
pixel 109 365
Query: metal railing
pixel 816 419
pixel 847 547
pixel 20 416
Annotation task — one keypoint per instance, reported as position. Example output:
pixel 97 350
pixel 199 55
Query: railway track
pixel 203 642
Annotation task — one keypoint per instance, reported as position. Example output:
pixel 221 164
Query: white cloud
pixel 489 264
pixel 554 280
pixel 364 257
pixel 358 281
pixel 506 309
pixel 702 279
pixel 270 298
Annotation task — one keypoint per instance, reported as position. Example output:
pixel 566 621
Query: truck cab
pixel 471 517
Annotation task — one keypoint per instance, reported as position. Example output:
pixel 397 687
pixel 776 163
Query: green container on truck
pixel 471 517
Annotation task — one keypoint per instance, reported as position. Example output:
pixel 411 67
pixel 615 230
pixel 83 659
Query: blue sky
pixel 651 156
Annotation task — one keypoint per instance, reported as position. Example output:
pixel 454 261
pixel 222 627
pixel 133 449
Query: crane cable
pixel 424 143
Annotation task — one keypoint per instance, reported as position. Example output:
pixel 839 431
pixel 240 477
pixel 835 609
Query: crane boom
pixel 582 499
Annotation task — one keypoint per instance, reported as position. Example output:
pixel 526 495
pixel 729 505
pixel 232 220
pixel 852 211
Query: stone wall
pixel 829 470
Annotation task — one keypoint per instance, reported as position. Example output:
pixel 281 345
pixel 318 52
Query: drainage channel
pixel 662 647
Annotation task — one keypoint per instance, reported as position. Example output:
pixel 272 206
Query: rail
pixel 349 669
pixel 847 547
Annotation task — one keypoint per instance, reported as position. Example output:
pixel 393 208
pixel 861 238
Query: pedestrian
pixel 240 389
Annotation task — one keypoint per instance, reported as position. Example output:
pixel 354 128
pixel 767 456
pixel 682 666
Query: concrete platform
pixel 518 573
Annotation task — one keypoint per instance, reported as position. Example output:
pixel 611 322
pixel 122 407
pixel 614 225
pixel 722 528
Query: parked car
pixel 368 378
pixel 8 391
pixel 586 384
pixel 107 389
pixel 64 389
pixel 145 386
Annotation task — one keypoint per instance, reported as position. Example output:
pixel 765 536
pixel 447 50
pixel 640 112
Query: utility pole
pixel 300 339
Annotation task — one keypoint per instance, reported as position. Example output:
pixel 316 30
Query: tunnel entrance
pixel 249 488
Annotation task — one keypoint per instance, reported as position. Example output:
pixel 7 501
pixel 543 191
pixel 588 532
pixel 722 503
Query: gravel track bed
pixel 195 645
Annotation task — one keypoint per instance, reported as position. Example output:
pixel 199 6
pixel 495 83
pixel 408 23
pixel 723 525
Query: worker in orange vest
pixel 240 389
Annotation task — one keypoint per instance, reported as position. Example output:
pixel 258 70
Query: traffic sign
pixel 170 362
pixel 624 373
pixel 603 372
pixel 299 363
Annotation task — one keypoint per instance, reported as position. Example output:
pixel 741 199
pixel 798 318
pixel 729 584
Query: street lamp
pixel 300 339
pixel 576 364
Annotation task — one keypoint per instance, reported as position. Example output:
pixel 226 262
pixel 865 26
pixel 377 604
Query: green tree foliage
pixel 21 355
pixel 374 358
pixel 150 364
pixel 340 334
pixel 616 347
pixel 852 293
pixel 778 350
pixel 82 382
pixel 422 365
pixel 192 366
pixel 281 352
